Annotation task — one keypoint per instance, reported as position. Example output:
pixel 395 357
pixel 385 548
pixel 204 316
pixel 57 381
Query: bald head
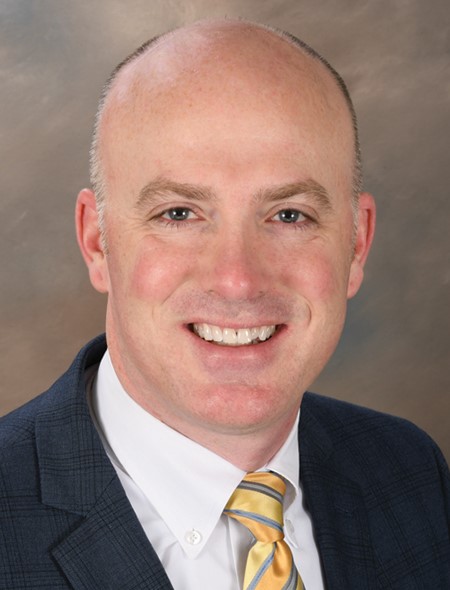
pixel 225 153
pixel 228 55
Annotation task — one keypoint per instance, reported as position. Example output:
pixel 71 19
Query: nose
pixel 237 265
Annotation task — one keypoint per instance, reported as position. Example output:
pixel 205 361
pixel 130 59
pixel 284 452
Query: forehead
pixel 222 58
pixel 226 83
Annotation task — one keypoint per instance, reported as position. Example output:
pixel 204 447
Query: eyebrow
pixel 163 186
pixel 307 187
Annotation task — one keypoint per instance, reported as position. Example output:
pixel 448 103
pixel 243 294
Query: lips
pixel 232 336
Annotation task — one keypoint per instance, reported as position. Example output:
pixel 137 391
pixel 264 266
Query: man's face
pixel 229 229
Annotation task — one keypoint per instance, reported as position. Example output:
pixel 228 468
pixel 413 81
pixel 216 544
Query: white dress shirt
pixel 178 490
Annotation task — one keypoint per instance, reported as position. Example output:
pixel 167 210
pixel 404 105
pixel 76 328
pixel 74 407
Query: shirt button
pixel 193 537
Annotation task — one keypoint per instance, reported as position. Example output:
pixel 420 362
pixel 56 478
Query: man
pixel 228 227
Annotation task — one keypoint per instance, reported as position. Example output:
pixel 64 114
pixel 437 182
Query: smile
pixel 231 336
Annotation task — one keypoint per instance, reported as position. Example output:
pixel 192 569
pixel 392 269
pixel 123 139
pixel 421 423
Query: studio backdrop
pixel 395 56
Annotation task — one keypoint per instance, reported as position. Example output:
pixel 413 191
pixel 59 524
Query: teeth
pixel 229 336
pixel 207 332
pixel 232 337
pixel 243 336
pixel 216 334
pixel 254 333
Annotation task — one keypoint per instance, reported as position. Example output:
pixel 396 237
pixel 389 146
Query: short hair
pixel 96 172
pixel 97 176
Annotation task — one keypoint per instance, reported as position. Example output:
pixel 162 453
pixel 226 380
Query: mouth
pixel 232 336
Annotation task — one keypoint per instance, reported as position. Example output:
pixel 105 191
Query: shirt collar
pixel 186 483
pixel 286 462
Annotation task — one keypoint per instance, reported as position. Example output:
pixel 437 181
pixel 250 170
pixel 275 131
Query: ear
pixel 89 240
pixel 363 241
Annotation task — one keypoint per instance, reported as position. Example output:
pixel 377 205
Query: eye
pixel 289 216
pixel 178 214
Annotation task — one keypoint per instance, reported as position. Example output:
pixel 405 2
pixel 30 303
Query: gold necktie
pixel 257 503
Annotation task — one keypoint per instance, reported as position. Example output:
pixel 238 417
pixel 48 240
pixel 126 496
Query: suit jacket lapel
pixel 335 501
pixel 110 550
pixel 107 547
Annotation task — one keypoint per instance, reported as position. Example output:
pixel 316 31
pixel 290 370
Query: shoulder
pixel 372 441
pixel 17 429
pixel 350 421
pixel 390 476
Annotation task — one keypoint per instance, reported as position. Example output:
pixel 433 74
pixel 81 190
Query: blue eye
pixel 290 216
pixel 177 214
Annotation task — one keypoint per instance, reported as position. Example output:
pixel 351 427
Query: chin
pixel 247 408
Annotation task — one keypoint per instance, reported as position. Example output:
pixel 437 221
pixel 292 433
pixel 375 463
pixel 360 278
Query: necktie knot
pixel 257 503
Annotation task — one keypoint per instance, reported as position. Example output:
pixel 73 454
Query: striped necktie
pixel 257 503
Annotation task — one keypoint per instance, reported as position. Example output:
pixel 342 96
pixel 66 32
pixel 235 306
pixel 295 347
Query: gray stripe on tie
pixel 262 489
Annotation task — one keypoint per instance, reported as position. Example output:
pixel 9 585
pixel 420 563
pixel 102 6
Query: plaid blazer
pixel 376 486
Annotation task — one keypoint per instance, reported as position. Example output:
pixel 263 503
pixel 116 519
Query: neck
pixel 248 450
pixel 247 446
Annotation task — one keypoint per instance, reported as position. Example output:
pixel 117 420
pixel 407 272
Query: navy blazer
pixel 377 488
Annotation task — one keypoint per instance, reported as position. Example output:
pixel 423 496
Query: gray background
pixel 54 57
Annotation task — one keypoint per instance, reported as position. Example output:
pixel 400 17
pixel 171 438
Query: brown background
pixel 395 56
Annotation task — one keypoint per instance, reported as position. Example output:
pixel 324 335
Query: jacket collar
pixel 335 499
pixel 65 436
pixel 107 546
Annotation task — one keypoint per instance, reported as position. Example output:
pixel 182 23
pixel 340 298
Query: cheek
pixel 317 273
pixel 157 271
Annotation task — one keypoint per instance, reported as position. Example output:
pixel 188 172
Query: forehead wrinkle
pixel 308 187
pixel 162 186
